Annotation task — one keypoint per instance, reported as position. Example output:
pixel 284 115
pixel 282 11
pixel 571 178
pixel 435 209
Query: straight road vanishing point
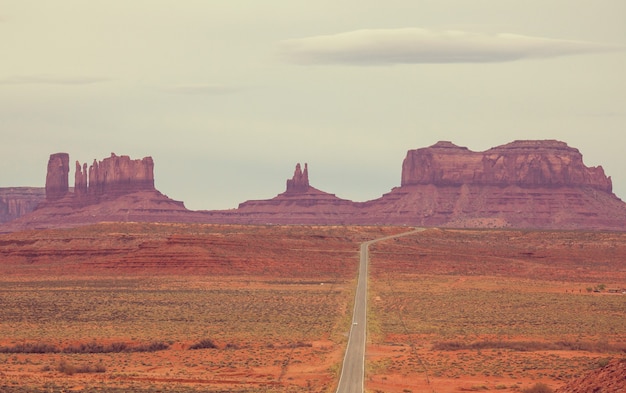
pixel 353 370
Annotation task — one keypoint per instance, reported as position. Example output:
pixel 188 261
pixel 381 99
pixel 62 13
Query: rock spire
pixel 299 183
pixel 57 176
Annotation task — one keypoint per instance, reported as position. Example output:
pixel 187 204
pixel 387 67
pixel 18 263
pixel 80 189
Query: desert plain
pixel 147 307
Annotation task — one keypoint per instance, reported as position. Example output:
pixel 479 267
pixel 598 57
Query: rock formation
pixel 299 204
pixel 299 183
pixel 57 185
pixel 18 201
pixel 81 182
pixel 114 176
pixel 608 379
pixel 525 164
pixel 114 189
pixel 523 184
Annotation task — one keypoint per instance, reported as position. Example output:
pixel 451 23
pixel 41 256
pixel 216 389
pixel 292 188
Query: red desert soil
pixel 272 302
pixel 610 379
pixel 450 310
pixel 472 310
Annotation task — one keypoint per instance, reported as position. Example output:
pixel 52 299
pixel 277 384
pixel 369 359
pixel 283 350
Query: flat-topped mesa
pixel 57 185
pixel 299 183
pixel 114 176
pixel 529 164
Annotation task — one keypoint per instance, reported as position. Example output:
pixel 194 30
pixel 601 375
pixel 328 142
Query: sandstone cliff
pixel 114 189
pixel 299 204
pixel 299 183
pixel 57 185
pixel 523 184
pixel 521 163
pixel 18 201
pixel 114 176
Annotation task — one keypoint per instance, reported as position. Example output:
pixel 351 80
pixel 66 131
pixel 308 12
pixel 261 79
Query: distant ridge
pixel 535 184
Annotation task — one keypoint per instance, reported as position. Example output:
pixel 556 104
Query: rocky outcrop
pixel 608 379
pixel 299 204
pixel 523 184
pixel 57 185
pixel 527 164
pixel 114 176
pixel 114 189
pixel 81 181
pixel 18 201
pixel 299 183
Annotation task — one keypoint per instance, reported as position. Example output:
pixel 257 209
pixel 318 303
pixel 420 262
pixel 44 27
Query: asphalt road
pixel 353 371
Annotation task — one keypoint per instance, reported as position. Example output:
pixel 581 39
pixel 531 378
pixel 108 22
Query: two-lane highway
pixel 353 370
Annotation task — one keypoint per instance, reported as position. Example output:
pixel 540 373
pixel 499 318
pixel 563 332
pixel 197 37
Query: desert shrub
pixel 231 346
pixel 449 346
pixel 86 369
pixel 528 346
pixel 118 347
pixel 91 347
pixel 70 369
pixel 297 344
pixel 152 347
pixel 66 368
pixel 539 387
pixel 30 348
pixel 204 344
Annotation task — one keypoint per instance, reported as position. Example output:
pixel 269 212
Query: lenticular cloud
pixel 414 45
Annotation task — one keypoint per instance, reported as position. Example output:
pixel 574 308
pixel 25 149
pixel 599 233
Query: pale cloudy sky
pixel 227 96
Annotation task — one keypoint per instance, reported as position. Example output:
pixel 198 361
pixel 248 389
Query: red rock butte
pixel 527 164
pixel 114 176
pixel 523 184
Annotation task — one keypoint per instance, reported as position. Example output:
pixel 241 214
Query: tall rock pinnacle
pixel 57 185
pixel 300 181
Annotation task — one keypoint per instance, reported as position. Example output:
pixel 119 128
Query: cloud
pixel 202 89
pixel 416 46
pixel 51 80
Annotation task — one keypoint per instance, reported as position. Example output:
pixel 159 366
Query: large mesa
pixel 546 163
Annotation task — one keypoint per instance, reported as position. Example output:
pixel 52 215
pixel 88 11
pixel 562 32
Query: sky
pixel 227 96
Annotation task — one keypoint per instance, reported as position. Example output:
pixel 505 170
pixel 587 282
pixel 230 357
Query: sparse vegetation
pixel 467 307
pixel 204 344
pixel 477 303
pixel 84 348
pixel 70 369
pixel 539 387
pixel 562 345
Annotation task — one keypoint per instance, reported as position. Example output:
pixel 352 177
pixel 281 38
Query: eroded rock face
pixel 114 189
pixel 299 204
pixel 523 184
pixel 300 181
pixel 527 164
pixel 57 176
pixel 18 201
pixel 114 176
